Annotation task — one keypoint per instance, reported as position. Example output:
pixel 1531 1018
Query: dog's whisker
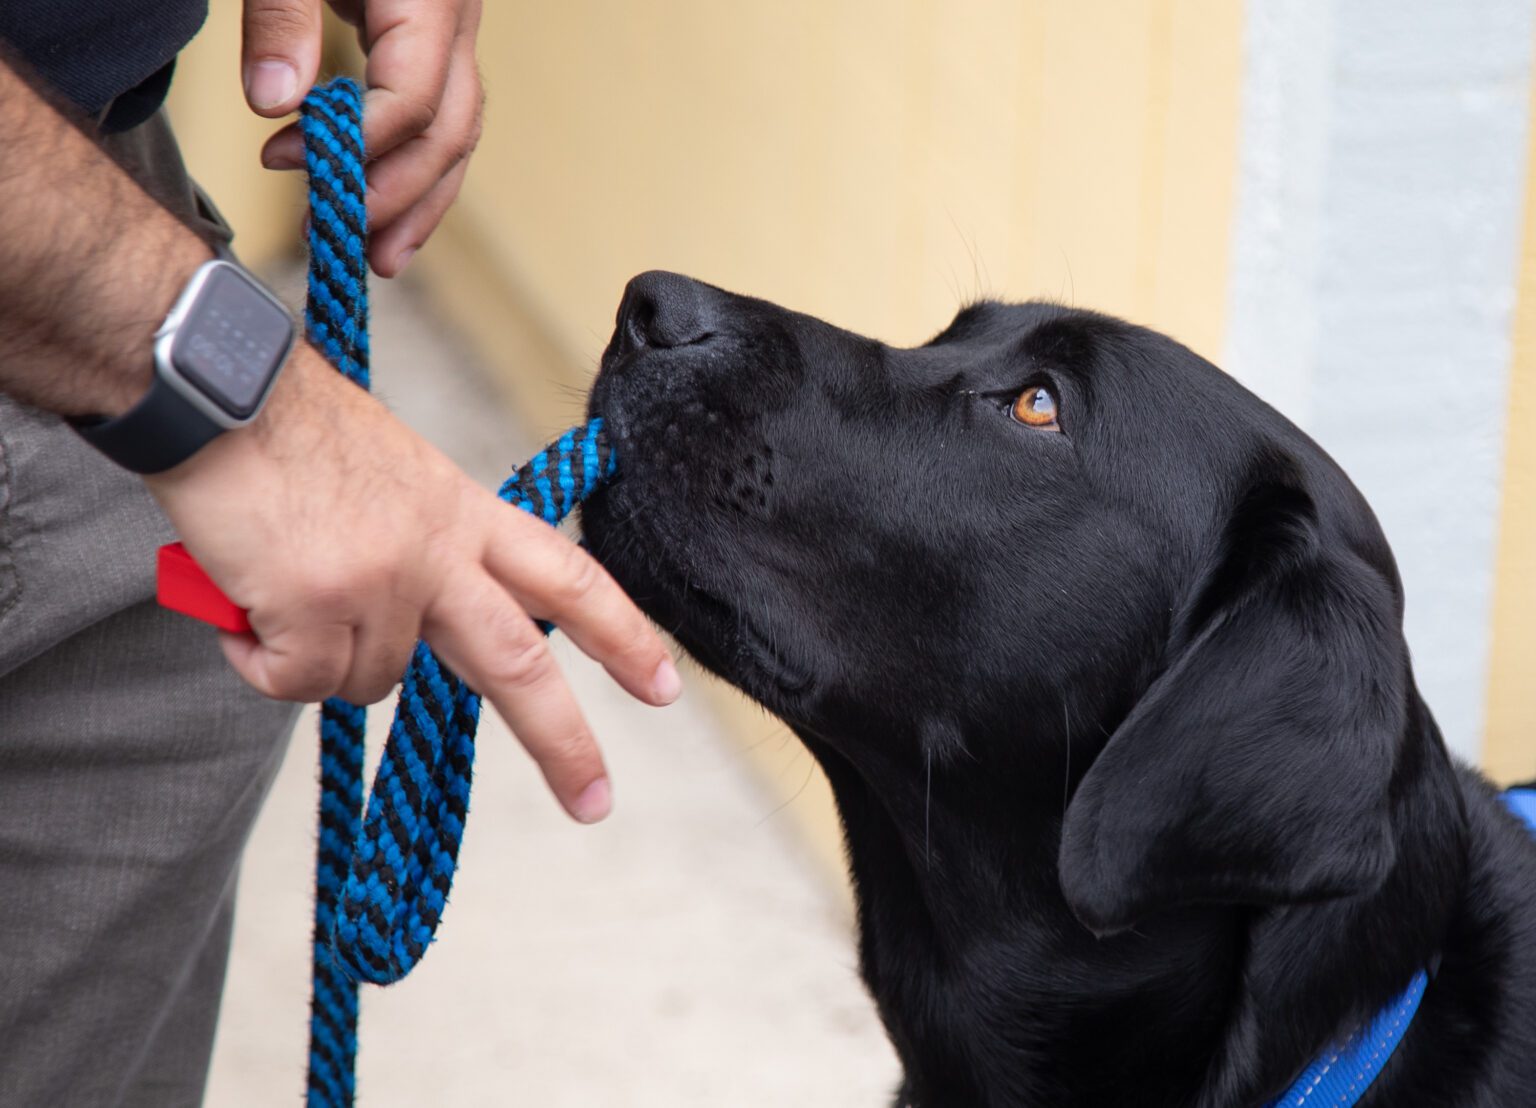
pixel 928 809
pixel 810 771
pixel 782 736
pixel 1066 778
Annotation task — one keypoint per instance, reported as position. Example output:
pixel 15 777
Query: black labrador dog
pixel 1104 660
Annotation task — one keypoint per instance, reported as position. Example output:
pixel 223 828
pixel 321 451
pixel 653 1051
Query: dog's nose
pixel 662 310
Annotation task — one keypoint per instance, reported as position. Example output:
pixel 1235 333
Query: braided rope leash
pixel 382 878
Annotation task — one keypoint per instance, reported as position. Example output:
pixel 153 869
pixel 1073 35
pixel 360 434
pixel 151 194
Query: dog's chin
pixel 639 533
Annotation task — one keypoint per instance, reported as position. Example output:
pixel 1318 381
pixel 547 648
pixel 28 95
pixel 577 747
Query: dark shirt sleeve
pixel 112 58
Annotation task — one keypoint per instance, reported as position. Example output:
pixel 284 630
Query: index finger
pixel 555 579
pixel 410 46
pixel 493 645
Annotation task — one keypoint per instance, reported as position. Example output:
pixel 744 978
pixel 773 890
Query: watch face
pixel 232 341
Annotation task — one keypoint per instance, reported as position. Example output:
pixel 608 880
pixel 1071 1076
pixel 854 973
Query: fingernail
pixel 666 685
pixel 594 803
pixel 404 259
pixel 270 83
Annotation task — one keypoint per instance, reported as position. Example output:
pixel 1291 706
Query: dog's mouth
pixel 646 532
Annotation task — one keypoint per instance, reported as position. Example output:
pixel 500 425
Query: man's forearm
pixel 89 264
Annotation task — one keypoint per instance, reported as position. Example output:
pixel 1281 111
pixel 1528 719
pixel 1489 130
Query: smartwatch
pixel 217 356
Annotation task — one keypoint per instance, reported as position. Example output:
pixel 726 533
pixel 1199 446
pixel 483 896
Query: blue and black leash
pixel 382 877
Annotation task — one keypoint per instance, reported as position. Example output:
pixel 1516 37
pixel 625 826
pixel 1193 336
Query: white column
pixel 1379 200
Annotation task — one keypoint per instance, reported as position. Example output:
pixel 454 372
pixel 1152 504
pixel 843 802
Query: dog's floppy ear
pixel 1255 769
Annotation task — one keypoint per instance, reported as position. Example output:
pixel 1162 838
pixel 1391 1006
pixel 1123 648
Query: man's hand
pixel 348 537
pixel 422 113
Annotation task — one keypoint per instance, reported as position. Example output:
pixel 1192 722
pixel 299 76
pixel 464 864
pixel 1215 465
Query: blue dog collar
pixel 1342 1075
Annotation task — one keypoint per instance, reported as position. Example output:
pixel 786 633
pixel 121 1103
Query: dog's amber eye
pixel 1036 407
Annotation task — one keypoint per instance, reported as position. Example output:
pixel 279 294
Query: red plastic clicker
pixel 182 586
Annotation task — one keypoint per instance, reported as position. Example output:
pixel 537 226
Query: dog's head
pixel 1043 534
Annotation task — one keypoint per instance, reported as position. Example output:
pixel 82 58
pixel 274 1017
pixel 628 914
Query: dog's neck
pixel 994 994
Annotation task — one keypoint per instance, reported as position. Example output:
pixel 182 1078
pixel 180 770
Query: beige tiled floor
pixel 685 953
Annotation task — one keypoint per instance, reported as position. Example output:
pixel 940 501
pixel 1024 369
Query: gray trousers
pixel 132 765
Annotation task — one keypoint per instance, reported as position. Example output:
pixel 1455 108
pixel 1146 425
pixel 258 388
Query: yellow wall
pixel 1509 743
pixel 872 162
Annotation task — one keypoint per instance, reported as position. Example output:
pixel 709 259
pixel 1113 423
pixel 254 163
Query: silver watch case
pixel 165 342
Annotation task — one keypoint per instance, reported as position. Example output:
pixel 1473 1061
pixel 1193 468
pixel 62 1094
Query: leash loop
pixel 382 877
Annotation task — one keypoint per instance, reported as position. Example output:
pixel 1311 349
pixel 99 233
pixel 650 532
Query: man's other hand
pixel 422 111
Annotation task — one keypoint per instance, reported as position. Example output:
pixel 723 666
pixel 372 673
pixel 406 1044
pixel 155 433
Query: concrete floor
pixel 685 953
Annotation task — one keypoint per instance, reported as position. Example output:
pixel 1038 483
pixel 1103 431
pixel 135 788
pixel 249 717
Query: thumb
pixel 280 55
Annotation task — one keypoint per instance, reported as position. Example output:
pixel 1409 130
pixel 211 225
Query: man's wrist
pixel 129 366
pixel 89 265
pixel 282 427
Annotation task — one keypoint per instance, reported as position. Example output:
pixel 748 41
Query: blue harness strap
pixel 382 878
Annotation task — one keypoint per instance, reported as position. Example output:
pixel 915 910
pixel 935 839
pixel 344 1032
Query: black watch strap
pixel 160 431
